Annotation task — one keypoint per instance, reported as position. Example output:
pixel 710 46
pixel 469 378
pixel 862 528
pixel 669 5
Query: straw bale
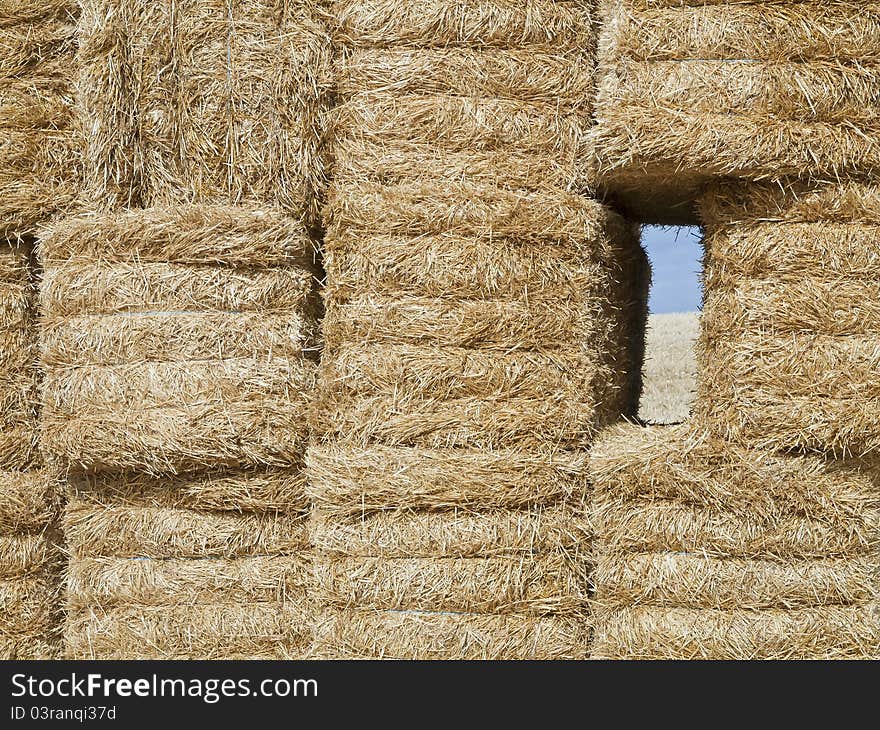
pixel 269 490
pixel 204 101
pixel 349 480
pixel 534 584
pixel 130 288
pixel 792 201
pixel 113 340
pixel 267 630
pixel 418 209
pixel 698 580
pixel 801 31
pixel 220 235
pixel 788 355
pixel 708 550
pixel 455 265
pixel 416 635
pixel 28 501
pixel 103 583
pixel 171 416
pixel 535 323
pixel 153 354
pixel 688 93
pixel 379 137
pixel 427 23
pixel 29 605
pixel 658 526
pixel 27 554
pixel 39 160
pixel 94 528
pixel 647 632
pixel 449 397
pixel 677 489
pixel 29 647
pixel 532 74
pixel 454 533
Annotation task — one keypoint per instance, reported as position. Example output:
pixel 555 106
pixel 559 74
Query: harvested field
pixel 204 102
pixel 711 551
pixel 670 378
pixel 689 92
pixel 788 357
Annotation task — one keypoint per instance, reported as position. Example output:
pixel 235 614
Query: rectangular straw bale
pixel 163 417
pixel 350 480
pixel 421 635
pixel 453 265
pixel 497 93
pixel 428 23
pixel 161 319
pixel 708 550
pixel 458 533
pixel 678 489
pixel 97 584
pixel 94 529
pixel 795 335
pixel 204 101
pixel 828 632
pixel 688 93
pixel 380 137
pixel 29 501
pixel 698 580
pixel 536 585
pixel 450 397
pixel 267 630
pixel 39 159
pixel 113 340
pixel 538 76
pixel 269 490
pixel 463 208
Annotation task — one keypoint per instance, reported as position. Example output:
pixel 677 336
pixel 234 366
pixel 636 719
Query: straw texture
pixel 689 91
pixel 788 354
pixel 39 156
pixel 204 566
pixel 483 319
pixel 177 339
pixel 706 550
pixel 203 101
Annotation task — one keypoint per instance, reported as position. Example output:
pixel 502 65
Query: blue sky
pixel 675 259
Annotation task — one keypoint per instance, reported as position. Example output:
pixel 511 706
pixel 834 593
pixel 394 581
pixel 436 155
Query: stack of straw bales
pixel 38 157
pixel 177 348
pixel 694 89
pixel 710 551
pixel 480 328
pixel 199 566
pixel 203 101
pixel 30 560
pixel 179 327
pixel 789 355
